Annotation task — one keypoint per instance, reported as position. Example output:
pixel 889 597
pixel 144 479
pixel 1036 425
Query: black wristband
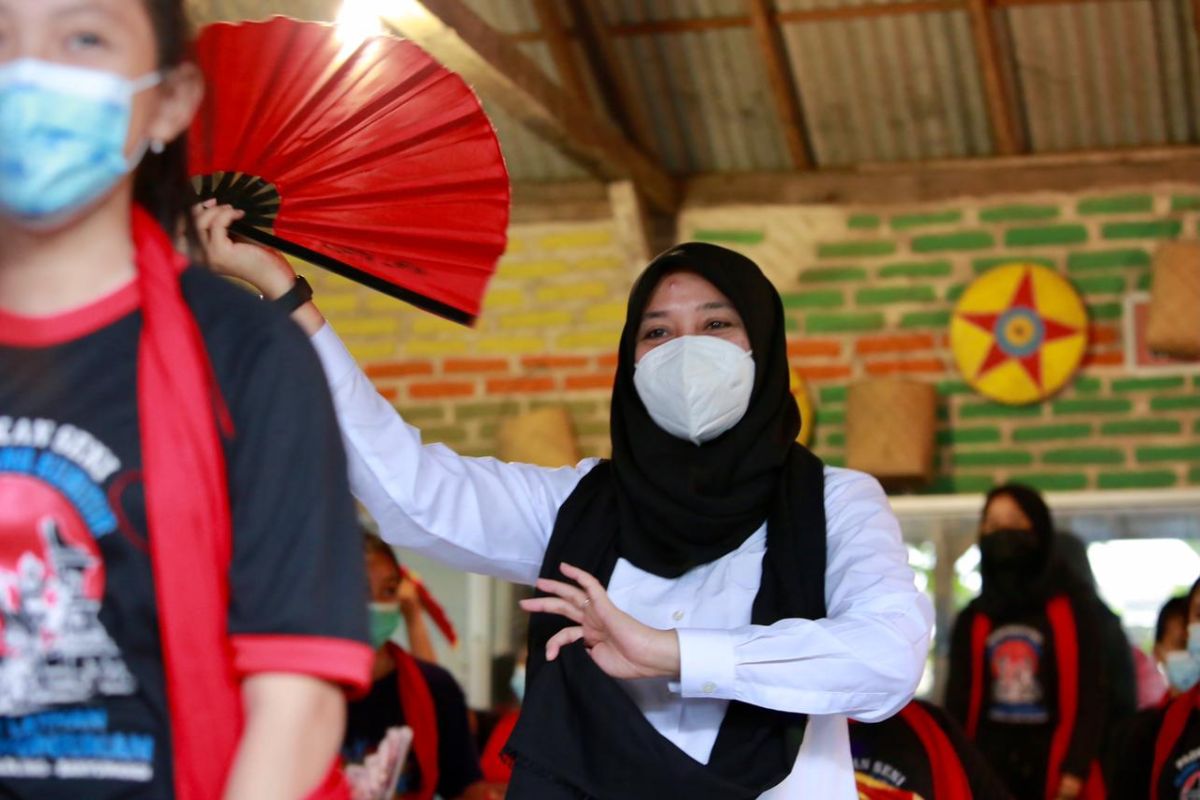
pixel 293 298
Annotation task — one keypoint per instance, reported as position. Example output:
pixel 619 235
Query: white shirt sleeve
pixel 864 659
pixel 473 514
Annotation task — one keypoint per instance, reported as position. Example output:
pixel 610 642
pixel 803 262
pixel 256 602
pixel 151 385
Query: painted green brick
pixel 834 461
pixel 977 410
pixel 1156 479
pixel 917 269
pixel 444 434
pixel 1087 385
pixel 1047 433
pixel 592 428
pixel 1105 311
pixel 903 222
pixel 1185 202
pixel 981 265
pixel 1196 382
pixel 843 323
pixel 1018 213
pixel 835 440
pixel 1189 452
pixel 926 319
pixel 1146 229
pixel 1165 383
pixel 830 416
pixel 1194 475
pixel 791 324
pixel 833 394
pixel 1117 204
pixel 960 484
pixel 1105 259
pixel 1052 481
pixel 964 240
pixel 981 435
pixel 422 414
pixel 1175 403
pixel 863 221
pixel 1196 427
pixel 832 274
pixel 1094 405
pixel 1077 456
pixel 477 410
pixel 1101 284
pixel 817 298
pixel 729 236
pixel 993 458
pixel 895 294
pixel 953 293
pixel 1037 236
pixel 1141 427
pixel 579 408
pixel 1145 280
pixel 947 388
pixel 855 249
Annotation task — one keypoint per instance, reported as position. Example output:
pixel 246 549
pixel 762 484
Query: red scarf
pixel 1175 720
pixel 421 716
pixel 497 767
pixel 949 778
pixel 187 507
pixel 1066 645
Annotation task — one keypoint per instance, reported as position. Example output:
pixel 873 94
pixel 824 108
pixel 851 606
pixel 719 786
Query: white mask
pixel 695 387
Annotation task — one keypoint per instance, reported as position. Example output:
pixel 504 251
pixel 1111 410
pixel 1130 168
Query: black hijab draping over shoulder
pixel 667 505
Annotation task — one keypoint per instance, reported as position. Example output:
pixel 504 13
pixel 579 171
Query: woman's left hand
pixel 618 643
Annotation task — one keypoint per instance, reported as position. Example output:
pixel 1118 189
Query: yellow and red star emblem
pixel 1019 333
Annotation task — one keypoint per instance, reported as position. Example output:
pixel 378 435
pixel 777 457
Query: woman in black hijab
pixel 1026 680
pixel 714 602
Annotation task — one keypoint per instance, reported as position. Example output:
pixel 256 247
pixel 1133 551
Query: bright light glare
pixel 359 20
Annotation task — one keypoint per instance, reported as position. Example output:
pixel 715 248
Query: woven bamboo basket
pixel 890 431
pixel 1173 321
pixel 544 437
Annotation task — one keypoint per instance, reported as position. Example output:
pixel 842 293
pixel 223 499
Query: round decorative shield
pixel 1019 333
pixel 800 391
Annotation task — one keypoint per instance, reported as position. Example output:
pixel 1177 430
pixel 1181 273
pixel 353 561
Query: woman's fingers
pixel 554 605
pixel 561 639
pixel 594 589
pixel 566 591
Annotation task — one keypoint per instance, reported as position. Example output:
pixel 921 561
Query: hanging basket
pixel 890 428
pixel 1173 320
pixel 544 437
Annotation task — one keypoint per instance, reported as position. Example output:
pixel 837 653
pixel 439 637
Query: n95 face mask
pixel 695 387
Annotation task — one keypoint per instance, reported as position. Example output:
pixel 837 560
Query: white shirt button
pixel 678 615
pixel 709 687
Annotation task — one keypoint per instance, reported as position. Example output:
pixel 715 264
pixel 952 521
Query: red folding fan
pixel 374 162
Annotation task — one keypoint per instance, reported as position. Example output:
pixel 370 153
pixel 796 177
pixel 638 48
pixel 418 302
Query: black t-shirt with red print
pixel 83 708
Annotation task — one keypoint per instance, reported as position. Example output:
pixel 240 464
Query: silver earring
pixel 157 146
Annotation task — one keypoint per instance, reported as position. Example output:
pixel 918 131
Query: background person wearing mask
pixel 1024 681
pixel 716 601
pixel 421 695
pixel 1157 755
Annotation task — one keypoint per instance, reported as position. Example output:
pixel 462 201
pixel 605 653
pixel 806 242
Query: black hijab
pixel 1015 582
pixel 667 506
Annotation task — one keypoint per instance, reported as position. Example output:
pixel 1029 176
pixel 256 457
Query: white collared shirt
pixel 863 660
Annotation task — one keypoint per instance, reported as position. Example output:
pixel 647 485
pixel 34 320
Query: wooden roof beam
pixel 783 85
pixel 457 37
pixel 556 36
pixel 994 61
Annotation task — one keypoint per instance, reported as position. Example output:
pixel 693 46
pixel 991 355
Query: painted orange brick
pixel 894 344
pixel 554 362
pixel 1114 359
pixel 519 385
pixel 906 367
pixel 1104 334
pixel 436 390
pixel 454 366
pixel 584 382
pixel 823 372
pixel 608 361
pixel 389 393
pixel 802 348
pixel 399 369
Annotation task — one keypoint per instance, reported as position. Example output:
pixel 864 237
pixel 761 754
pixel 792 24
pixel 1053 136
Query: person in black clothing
pixel 1022 682
pixel 421 695
pixel 920 754
pixel 1156 754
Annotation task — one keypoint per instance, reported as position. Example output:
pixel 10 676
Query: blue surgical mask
pixel 517 682
pixel 62 138
pixel 384 620
pixel 1183 670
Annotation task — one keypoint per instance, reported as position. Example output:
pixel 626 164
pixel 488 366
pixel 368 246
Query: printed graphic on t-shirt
pixel 55 654
pixel 1014 655
pixel 876 780
pixel 1187 778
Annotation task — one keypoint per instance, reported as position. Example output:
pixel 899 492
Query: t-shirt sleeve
pixel 298 590
pixel 458 757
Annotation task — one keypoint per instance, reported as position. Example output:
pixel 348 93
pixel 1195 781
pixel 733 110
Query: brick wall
pixel 868 291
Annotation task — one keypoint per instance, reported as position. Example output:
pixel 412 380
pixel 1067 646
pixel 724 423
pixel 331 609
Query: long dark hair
pixel 162 184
